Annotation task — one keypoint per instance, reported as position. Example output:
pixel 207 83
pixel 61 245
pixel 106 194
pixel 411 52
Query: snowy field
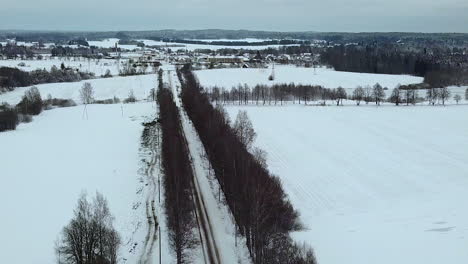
pixel 103 89
pixel 47 164
pixel 328 78
pixel 373 185
pixel 192 47
pixel 98 67
pixel 110 43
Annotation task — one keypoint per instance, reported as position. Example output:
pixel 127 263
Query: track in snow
pixel 152 200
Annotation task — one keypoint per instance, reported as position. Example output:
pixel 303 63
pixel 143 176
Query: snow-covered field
pixel 98 67
pixel 46 164
pixel 110 43
pixel 373 185
pixel 289 74
pixel 103 89
pixel 192 47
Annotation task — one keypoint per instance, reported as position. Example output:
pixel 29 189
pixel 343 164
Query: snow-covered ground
pixel 46 164
pixel 249 40
pixel 192 47
pixel 103 89
pixel 98 67
pixel 372 184
pixel 110 43
pixel 328 78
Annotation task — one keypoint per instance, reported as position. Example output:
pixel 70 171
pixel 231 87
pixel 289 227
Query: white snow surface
pixel 192 47
pixel 372 184
pixel 327 78
pixel 249 40
pixel 103 89
pixel 98 67
pixel 46 165
pixel 110 43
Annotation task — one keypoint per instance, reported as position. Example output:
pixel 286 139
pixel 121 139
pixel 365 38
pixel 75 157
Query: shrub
pixel 31 104
pixel 24 118
pixel 57 102
pixel 131 98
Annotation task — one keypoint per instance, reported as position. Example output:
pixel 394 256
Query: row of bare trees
pixel 281 93
pixel 177 178
pixel 262 212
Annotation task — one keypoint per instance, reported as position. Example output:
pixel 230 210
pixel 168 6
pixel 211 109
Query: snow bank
pixel 372 185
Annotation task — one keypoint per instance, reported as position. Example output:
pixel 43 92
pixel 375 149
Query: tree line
pixel 439 68
pixel 13 77
pixel 262 213
pixel 278 94
pixel 177 178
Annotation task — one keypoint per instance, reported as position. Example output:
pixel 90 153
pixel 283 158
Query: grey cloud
pixel 284 15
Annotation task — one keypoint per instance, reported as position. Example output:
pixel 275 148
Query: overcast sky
pixel 276 15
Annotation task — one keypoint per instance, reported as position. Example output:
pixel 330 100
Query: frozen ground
pixel 46 164
pixel 289 74
pixel 103 89
pixel 98 67
pixel 373 185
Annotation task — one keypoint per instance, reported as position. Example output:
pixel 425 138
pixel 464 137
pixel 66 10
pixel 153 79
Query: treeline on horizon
pixel 337 37
pixel 262 213
pixel 438 69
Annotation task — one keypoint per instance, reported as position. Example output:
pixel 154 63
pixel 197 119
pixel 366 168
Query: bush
pixel 24 118
pixel 31 104
pixel 131 98
pixel 57 102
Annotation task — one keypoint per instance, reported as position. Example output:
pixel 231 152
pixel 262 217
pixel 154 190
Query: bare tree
pixel 431 95
pixel 87 93
pixel 378 93
pixel 395 97
pixel 358 95
pixel 244 129
pixel 260 156
pixel 340 95
pixel 90 237
pixel 367 94
pixel 457 98
pixel 444 94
